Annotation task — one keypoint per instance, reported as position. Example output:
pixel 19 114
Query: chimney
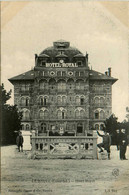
pixel 109 71
pixel 86 59
pixel 36 56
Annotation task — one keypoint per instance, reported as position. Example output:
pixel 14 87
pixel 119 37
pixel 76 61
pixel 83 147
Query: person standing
pixel 117 139
pixel 106 143
pixel 123 144
pixel 20 141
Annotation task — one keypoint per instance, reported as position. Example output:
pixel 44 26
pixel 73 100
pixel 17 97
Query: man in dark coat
pixel 20 141
pixel 117 139
pixel 105 144
pixel 123 144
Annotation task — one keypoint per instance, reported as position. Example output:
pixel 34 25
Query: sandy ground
pixel 64 177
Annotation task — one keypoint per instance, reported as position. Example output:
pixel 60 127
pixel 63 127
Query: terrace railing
pixel 64 146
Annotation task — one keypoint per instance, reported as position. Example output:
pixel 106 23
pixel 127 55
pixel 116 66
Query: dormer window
pixel 43 63
pixel 79 63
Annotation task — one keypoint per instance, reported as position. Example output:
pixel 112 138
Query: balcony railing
pixel 64 146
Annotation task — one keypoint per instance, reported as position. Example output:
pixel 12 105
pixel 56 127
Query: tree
pixel 111 124
pixel 11 118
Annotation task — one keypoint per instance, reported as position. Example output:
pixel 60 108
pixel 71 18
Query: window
pixel 63 73
pixel 63 100
pixel 43 63
pixel 59 73
pixel 61 86
pixel 43 127
pixel 26 115
pixel 22 101
pixel 43 85
pixel 27 101
pixel 79 128
pixel 59 114
pixel 63 115
pixel 76 74
pixel 77 114
pixel 27 127
pixel 79 63
pixel 79 85
pixel 82 101
pixel 41 101
pixel 102 115
pixel 96 100
pixel 97 115
pixel 97 127
pixel 101 100
pixel 41 114
pixel 102 126
pixel 45 114
pixel 82 113
pixel 81 74
pixel 45 101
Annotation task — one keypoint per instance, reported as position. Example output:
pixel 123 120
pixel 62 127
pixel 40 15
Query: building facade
pixel 61 94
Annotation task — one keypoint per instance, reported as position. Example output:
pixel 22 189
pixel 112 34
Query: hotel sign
pixel 61 64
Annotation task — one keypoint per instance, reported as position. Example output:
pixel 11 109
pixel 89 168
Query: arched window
pixel 61 114
pixel 43 85
pixel 61 86
pixel 45 114
pixel 27 101
pixel 41 101
pixel 52 84
pixel 77 114
pixel 27 126
pixel 79 85
pixel 102 115
pixel 97 127
pixel 101 100
pixel 96 100
pixel 81 101
pixel 63 100
pixel 27 115
pixel 22 101
pixel 45 101
pixel 82 113
pixel 70 84
pixel 96 114
pixel 102 127
pixel 41 114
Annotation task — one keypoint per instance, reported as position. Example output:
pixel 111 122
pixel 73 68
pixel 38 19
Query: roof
pixel 94 75
pixel 29 75
pixel 79 55
pixel 60 45
pixel 44 55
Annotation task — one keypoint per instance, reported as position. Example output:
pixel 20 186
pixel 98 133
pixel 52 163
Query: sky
pixel 89 26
